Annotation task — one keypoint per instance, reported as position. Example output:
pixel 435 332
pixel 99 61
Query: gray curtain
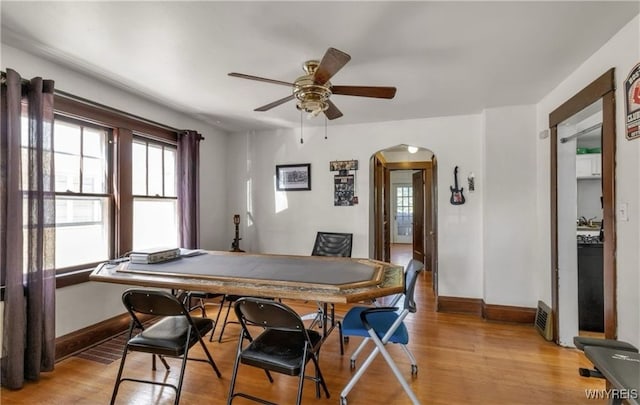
pixel 27 208
pixel 188 188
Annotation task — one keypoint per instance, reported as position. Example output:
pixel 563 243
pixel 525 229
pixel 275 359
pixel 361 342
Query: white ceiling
pixel 445 58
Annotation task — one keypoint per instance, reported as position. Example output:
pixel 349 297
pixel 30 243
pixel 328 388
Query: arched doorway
pixel 403 207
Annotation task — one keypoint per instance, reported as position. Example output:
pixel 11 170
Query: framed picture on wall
pixel 293 177
pixel 343 190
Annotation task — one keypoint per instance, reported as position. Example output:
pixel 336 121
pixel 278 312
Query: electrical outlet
pixel 623 211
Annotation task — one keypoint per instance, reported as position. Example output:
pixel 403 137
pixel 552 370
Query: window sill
pixel 73 278
pixel 64 280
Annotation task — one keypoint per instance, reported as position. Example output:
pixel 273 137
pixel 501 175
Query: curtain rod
pixel 580 133
pixel 70 96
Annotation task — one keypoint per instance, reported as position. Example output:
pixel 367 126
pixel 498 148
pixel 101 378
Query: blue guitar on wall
pixel 457 198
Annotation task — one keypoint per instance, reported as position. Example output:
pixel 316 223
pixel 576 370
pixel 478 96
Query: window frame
pixel 110 148
pixel 137 138
pixel 124 127
pixel 164 145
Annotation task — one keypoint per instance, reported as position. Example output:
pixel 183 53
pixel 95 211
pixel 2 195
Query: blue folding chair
pixel 383 325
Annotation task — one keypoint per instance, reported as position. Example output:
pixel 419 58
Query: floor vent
pixel 544 321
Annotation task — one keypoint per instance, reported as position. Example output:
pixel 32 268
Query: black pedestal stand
pixel 235 245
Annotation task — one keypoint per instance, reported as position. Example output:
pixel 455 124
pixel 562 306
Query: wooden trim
pixel 68 279
pixel 609 214
pixel 505 313
pixel 585 97
pixel 408 165
pixel 381 158
pixel 459 305
pixel 490 312
pixel 112 119
pixel 81 339
pixel 601 88
pixel 123 186
pixel 555 304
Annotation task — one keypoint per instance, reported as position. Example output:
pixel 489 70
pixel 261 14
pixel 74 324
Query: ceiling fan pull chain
pixel 301 140
pixel 325 127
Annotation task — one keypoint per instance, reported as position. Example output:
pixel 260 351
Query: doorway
pixel 572 174
pixel 403 209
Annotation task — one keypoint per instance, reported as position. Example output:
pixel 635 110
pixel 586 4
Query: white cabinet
pixel 588 166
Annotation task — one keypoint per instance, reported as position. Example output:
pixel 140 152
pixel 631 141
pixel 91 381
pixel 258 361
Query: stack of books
pixel 153 255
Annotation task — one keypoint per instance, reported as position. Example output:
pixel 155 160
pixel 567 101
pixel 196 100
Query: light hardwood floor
pixel 462 360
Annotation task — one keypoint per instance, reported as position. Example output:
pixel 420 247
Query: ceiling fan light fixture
pixel 312 98
pixel 313 90
pixel 313 107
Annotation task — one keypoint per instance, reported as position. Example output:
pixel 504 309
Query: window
pixel 112 188
pixel 83 196
pixel 155 201
pixel 404 210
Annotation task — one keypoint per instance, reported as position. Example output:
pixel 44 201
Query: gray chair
pixel 334 244
pixel 383 325
pixel 351 324
pixel 172 336
pixel 283 345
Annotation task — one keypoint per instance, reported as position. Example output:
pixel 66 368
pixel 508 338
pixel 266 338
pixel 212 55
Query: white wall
pixel 287 222
pixel 100 301
pixel 621 52
pixel 509 200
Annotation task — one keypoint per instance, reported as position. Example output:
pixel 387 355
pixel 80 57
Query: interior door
pixel 429 231
pixel 418 216
pixel 378 208
pixel 386 195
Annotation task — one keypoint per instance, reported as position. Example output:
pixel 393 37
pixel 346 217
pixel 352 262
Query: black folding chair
pixel 172 336
pixel 383 325
pixel 284 346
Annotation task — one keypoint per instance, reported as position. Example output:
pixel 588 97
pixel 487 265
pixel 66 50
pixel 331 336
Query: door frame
pixel 381 206
pixel 601 88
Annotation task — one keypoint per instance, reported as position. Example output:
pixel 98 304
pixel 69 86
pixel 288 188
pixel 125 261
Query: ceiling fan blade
pixel 260 79
pixel 364 91
pixel 275 103
pixel 332 61
pixel 332 112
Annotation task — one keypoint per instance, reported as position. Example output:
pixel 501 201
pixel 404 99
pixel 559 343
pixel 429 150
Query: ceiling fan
pixel 313 90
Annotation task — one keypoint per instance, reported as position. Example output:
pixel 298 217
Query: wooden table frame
pixel 390 282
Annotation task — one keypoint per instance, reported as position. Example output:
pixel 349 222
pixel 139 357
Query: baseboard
pixel 504 313
pixel 81 339
pixel 490 312
pixel 457 305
